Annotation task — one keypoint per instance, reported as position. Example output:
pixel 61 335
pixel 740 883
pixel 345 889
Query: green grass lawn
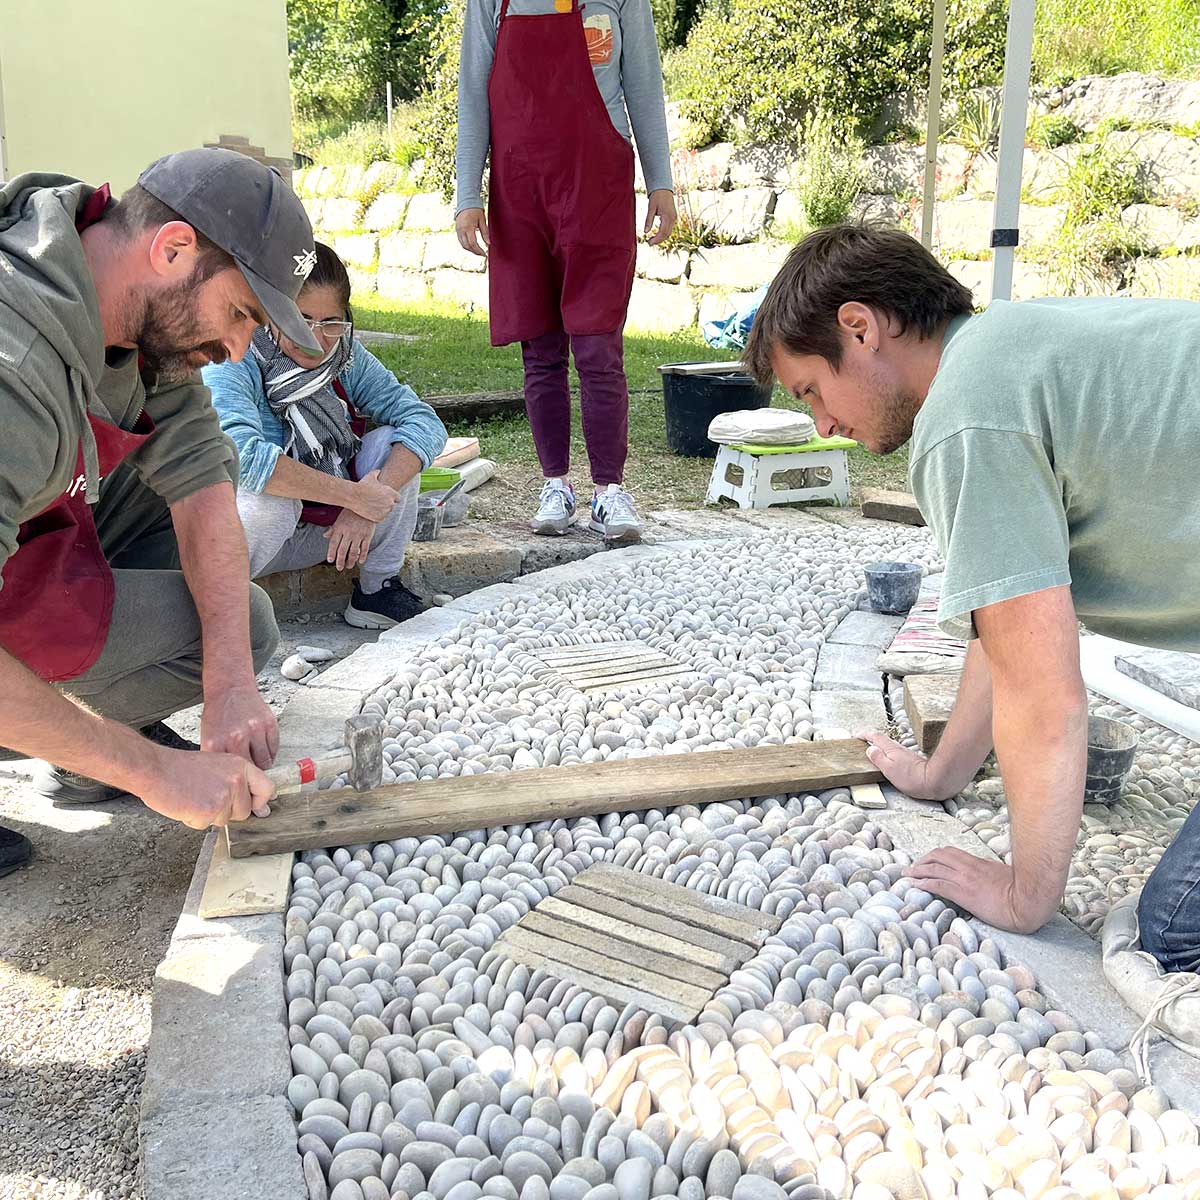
pixel 452 354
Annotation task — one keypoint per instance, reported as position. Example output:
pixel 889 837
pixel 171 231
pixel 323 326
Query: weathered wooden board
pixel 581 945
pixel 929 701
pixel 247 886
pixel 612 666
pixel 439 806
pixel 891 506
pixel 730 949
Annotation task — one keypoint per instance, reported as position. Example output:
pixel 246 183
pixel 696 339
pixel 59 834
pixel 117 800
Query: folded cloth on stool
pixel 762 427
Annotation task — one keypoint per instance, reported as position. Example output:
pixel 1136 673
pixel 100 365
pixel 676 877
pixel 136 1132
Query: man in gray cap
pixel 124 584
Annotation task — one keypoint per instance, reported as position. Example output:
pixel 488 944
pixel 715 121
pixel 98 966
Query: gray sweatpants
pixel 279 541
pixel 151 663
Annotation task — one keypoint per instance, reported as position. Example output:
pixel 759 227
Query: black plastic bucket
pixel 690 402
pixel 893 587
pixel 1111 749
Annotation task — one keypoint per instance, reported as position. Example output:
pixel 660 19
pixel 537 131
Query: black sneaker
pixel 389 606
pixel 15 851
pixel 75 790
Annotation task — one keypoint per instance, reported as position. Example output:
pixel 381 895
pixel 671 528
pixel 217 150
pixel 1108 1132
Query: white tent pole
pixel 1018 56
pixel 934 110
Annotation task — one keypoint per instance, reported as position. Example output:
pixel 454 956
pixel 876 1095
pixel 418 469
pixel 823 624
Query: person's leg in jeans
pixel 1169 906
pixel 548 405
pixel 604 402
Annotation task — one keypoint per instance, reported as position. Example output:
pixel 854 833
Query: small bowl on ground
pixel 893 587
pixel 1111 749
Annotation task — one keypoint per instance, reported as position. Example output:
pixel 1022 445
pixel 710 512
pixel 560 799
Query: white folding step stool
pixel 760 464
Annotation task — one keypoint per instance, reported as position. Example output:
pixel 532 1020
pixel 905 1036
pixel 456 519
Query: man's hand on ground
pixel 201 789
pixel 236 720
pixel 349 540
pixel 905 769
pixel 981 886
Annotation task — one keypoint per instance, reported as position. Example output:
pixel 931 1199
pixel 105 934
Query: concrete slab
pixel 462 560
pixel 843 714
pixel 489 598
pixel 417 632
pixel 368 668
pixel 847 668
pixel 929 701
pixel 866 629
pixel 1175 675
pixel 313 721
pixel 217 1025
pixel 244 1149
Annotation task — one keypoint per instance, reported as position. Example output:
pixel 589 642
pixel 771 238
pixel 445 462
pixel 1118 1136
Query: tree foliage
pixel 755 67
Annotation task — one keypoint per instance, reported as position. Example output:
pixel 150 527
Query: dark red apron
pixel 561 206
pixel 57 599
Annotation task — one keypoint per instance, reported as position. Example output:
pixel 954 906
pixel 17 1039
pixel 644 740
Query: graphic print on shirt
pixel 597 32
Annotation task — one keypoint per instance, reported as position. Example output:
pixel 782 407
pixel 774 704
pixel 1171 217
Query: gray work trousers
pixel 279 541
pixel 151 663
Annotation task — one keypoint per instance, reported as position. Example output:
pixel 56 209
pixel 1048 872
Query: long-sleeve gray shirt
pixel 624 54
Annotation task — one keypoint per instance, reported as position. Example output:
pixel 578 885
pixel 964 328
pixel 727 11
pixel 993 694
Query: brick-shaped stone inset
pixel 612 666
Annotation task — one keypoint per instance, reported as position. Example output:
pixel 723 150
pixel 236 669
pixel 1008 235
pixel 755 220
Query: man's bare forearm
pixel 401 466
pixel 212 552
pixel 37 720
pixel 967 739
pixel 1041 745
pixel 294 481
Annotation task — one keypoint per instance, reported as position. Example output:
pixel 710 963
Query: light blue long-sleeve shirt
pixel 627 69
pixel 241 402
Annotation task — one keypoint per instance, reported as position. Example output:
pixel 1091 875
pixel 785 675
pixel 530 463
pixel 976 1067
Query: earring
pixel 874 349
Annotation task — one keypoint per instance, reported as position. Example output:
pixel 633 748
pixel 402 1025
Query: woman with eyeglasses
pixel 314 485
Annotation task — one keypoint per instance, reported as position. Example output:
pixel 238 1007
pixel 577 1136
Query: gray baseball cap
pixel 251 213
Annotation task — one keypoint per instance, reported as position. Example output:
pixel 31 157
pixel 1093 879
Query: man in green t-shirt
pixel 1054 451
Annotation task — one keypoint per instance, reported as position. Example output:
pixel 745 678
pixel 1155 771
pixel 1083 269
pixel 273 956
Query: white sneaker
pixel 614 516
pixel 556 508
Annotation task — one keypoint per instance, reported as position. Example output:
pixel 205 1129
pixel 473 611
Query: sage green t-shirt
pixel 1060 444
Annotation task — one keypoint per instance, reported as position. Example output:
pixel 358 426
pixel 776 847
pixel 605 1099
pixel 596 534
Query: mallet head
pixel 364 740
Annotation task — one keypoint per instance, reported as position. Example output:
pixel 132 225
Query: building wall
pixel 99 90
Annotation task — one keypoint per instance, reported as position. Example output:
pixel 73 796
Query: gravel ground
pixel 82 932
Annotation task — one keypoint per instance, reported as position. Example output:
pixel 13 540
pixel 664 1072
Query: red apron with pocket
pixel 57 599
pixel 561 203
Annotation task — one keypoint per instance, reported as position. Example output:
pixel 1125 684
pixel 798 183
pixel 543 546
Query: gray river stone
pixel 632 1179
pixel 520 1166
pixel 723 1174
pixel 355 1164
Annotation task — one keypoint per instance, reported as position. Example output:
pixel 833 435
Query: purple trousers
pixel 603 396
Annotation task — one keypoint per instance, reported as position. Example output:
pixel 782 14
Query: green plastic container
pixel 435 479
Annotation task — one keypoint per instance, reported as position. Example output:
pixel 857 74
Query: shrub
pixel 1051 130
pixel 439 102
pixel 976 121
pixel 830 174
pixel 1101 37
pixel 755 67
pixel 1094 246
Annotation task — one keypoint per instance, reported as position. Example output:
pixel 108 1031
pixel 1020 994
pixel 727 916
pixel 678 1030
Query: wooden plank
pixel 439 806
pixel 625 973
pixel 739 948
pixel 618 993
pixel 659 960
pixel 621 666
pixel 711 912
pixel 638 934
pixel 246 886
pixel 593 650
pixel 891 506
pixel 929 701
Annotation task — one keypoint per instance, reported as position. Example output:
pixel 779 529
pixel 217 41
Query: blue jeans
pixel 1169 908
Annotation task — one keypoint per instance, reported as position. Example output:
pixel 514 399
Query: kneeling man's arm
pixel 1039 725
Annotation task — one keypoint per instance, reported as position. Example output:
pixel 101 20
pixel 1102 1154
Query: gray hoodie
pixel 54 371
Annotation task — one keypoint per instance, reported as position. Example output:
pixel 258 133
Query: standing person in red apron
pixel 123 572
pixel 552 88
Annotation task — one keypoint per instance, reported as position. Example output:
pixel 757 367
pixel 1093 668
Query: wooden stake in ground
pixel 442 806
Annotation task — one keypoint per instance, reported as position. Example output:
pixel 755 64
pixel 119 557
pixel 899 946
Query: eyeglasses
pixel 331 327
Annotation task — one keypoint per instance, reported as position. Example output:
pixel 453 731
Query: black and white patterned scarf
pixel 316 420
